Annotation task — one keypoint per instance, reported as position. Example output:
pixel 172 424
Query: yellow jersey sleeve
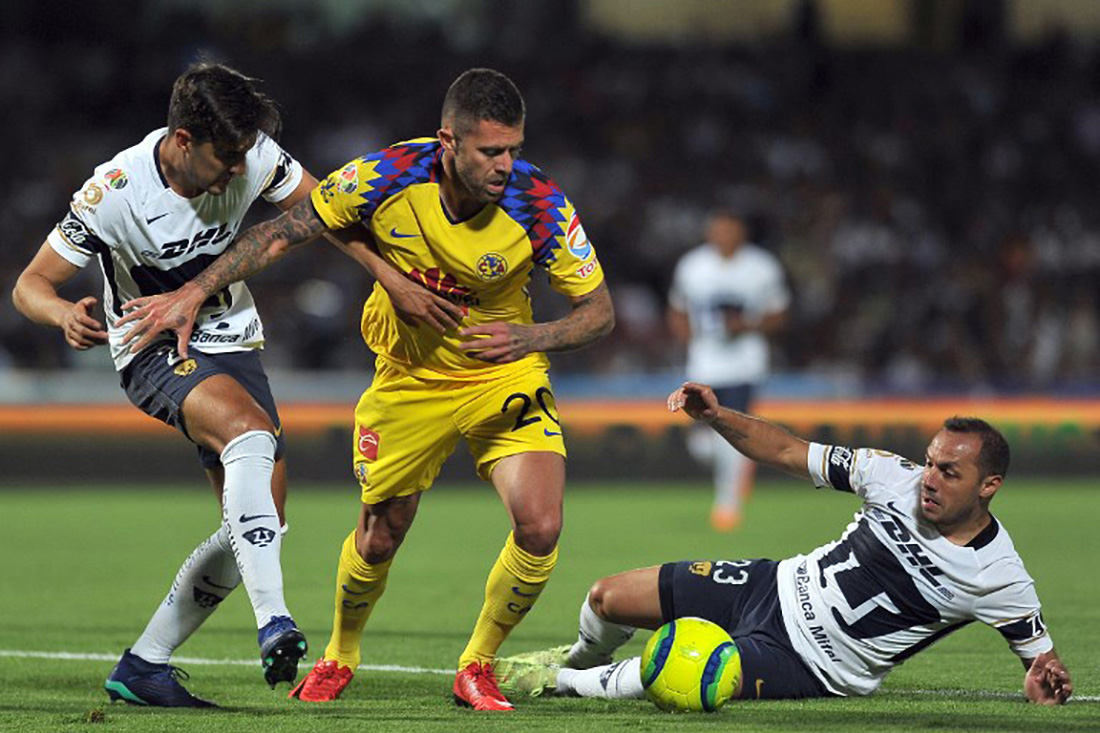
pixel 558 241
pixel 353 193
pixel 572 264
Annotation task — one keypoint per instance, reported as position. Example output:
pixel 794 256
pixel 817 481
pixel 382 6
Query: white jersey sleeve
pixel 1014 610
pixel 280 173
pixel 94 224
pixel 870 474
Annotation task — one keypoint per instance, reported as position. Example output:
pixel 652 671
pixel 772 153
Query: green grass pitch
pixel 84 568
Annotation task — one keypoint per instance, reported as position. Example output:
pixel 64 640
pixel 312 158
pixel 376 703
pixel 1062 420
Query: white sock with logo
pixel 618 681
pixel 249 516
pixel 206 577
pixel 597 639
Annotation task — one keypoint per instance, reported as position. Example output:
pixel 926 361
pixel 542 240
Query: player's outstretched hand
pixel 1047 681
pixel 154 314
pixel 82 332
pixel 415 304
pixel 697 400
pixel 497 342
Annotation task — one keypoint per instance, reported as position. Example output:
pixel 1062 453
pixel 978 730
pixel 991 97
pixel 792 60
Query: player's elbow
pixel 608 324
pixel 19 295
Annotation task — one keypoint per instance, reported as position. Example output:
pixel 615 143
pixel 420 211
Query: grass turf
pixel 84 568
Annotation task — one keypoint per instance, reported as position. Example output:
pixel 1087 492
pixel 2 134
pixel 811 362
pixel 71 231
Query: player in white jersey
pixel 153 217
pixel 727 296
pixel 923 558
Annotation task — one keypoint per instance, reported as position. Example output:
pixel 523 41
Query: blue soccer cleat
pixel 281 646
pixel 143 683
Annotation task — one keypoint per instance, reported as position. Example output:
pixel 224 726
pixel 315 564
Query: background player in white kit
pixel 923 558
pixel 727 296
pixel 154 217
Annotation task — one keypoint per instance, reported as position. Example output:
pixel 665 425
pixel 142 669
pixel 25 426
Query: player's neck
pixel 457 201
pixel 962 532
pixel 171 170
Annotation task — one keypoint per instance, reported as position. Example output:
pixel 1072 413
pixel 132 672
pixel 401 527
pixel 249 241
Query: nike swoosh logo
pixel 549 433
pixel 278 431
pixel 398 235
pixel 206 579
pixel 518 592
pixel 351 592
pixel 159 216
pixel 245 518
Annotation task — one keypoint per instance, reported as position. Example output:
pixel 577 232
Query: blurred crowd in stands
pixel 935 210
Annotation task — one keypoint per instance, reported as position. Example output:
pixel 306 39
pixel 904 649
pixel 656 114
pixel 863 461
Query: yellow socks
pixel 514 585
pixel 359 585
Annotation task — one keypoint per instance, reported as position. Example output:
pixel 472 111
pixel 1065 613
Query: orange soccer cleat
pixel 324 682
pixel 476 687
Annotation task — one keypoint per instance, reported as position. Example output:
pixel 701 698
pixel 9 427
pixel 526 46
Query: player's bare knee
pixel 378 547
pixel 538 537
pixel 598 596
pixel 247 422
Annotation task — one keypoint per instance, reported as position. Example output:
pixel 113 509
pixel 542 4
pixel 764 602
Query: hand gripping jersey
pixel 483 263
pixel 892 585
pixel 149 239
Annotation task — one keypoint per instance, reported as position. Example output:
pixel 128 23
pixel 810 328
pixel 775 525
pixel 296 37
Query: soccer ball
pixel 690 664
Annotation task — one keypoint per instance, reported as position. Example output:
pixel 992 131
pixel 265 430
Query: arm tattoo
pixel 260 246
pixel 592 318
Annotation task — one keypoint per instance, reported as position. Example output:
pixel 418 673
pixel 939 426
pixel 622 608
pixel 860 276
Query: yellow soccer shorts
pixel 405 427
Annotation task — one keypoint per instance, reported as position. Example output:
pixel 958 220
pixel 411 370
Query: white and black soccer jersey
pixel 892 585
pixel 148 239
pixel 706 286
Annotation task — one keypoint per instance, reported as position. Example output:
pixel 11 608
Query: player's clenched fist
pixel 697 400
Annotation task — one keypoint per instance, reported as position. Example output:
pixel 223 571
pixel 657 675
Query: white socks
pixel 249 516
pixel 206 577
pixel 597 639
pixel 621 680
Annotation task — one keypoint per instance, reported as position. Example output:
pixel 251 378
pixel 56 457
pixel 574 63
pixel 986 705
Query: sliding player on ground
pixel 923 558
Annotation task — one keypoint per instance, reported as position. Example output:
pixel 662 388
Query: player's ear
pixel 989 486
pixel 447 138
pixel 182 138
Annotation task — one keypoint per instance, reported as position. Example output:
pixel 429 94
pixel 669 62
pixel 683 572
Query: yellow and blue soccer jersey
pixel 483 263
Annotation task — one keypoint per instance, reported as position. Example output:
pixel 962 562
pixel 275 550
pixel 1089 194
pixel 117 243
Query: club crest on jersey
pixel 491 266
pixel 368 444
pixel 577 240
pixel 93 194
pixel 185 368
pixel 701 568
pixel 362 471
pixel 116 179
pixel 349 178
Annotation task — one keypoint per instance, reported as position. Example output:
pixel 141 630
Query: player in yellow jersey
pixel 465 217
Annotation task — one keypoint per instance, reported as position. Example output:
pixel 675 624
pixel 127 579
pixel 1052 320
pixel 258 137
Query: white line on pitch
pixel 198 661
pixel 427 670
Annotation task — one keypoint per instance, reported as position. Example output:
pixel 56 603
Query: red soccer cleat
pixel 476 687
pixel 324 682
